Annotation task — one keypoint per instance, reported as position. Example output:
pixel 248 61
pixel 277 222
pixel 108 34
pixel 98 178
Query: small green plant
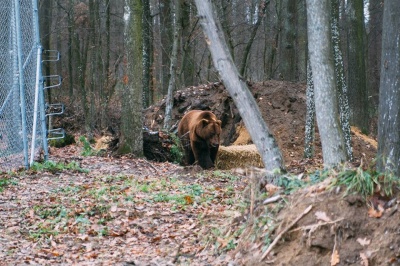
pixel 176 149
pixel 42 232
pixel 45 212
pixel 5 182
pixel 59 143
pixel 292 183
pixel 87 148
pixel 225 175
pixel 366 182
pixel 56 167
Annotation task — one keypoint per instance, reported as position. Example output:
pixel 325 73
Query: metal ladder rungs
pixel 57 79
pixel 56 133
pixel 50 56
pixel 55 109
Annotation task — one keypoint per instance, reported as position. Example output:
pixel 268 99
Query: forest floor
pixel 83 209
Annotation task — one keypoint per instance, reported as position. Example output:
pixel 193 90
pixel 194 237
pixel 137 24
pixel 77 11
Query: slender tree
pixel 166 43
pixel 189 27
pixel 389 97
pixel 131 140
pixel 238 90
pixel 344 109
pixel 310 115
pixel 147 50
pixel 322 65
pixel 169 102
pixel 247 49
pixel 374 48
pixel 287 46
pixel 358 95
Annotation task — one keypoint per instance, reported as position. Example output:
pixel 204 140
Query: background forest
pixel 267 40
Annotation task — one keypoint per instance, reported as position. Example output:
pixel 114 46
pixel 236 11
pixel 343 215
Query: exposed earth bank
pixel 339 229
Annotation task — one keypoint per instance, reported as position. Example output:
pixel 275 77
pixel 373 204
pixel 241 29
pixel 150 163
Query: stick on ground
pixel 279 236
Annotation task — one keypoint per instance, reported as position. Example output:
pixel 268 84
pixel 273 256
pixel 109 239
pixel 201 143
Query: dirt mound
pixel 283 107
pixel 338 230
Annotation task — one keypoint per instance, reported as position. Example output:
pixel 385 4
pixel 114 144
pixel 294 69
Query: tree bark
pixel 166 47
pixel 238 90
pixel 309 137
pixel 287 52
pixel 169 102
pixel 131 140
pixel 247 49
pixel 344 109
pixel 322 65
pixel 358 95
pixel 147 48
pixel 389 97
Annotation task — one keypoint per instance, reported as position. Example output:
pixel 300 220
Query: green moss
pixel 59 143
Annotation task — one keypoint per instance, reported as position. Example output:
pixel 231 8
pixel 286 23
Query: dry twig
pixel 279 236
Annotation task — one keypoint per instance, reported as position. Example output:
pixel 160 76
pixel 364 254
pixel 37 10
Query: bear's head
pixel 209 130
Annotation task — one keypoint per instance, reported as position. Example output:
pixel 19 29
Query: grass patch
pixel 5 182
pixel 55 167
pixel 366 182
pixel 292 183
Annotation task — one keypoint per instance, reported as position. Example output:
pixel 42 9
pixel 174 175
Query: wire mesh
pixel 21 122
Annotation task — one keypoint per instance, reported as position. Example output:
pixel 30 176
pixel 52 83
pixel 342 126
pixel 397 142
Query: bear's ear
pixel 204 122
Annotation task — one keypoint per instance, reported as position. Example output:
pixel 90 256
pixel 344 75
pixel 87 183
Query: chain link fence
pixel 22 108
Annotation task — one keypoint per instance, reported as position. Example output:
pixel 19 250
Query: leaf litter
pixel 120 211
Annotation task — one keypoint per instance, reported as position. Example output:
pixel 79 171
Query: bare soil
pixel 283 107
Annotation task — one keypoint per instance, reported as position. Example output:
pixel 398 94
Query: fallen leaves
pixel 121 210
pixel 335 258
pixel 376 212
pixel 363 241
pixel 322 216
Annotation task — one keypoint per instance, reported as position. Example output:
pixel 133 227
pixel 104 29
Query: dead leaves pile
pixel 122 211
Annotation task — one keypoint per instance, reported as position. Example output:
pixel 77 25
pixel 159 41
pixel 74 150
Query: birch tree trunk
pixel 131 140
pixel 238 90
pixel 389 97
pixel 169 102
pixel 322 65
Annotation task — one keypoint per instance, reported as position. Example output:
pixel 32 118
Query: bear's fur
pixel 199 132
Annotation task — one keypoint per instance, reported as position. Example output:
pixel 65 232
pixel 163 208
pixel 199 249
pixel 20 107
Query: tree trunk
pixel 131 140
pixel 344 109
pixel 187 73
pixel 147 44
pixel 389 97
pixel 310 116
pixel 322 65
pixel 165 34
pixel 374 49
pixel 169 102
pixel 238 90
pixel 287 53
pixel 247 49
pixel 358 96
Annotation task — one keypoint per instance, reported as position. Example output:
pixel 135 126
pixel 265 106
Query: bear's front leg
pixel 213 153
pixel 201 153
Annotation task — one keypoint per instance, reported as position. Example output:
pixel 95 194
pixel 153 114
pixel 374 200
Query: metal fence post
pixel 23 114
pixel 39 90
pixel 21 81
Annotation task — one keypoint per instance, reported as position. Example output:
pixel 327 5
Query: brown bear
pixel 199 133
